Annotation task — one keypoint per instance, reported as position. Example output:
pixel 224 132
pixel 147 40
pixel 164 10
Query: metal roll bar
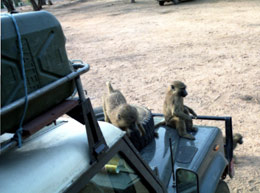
pixel 82 69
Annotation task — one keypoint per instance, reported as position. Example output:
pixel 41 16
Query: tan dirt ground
pixel 211 45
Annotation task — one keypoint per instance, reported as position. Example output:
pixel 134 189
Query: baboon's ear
pixel 172 87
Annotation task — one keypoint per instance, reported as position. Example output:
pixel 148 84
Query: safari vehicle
pixel 80 152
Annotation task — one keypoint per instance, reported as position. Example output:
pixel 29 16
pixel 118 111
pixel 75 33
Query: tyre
pixel 161 3
pixel 146 118
pixel 222 187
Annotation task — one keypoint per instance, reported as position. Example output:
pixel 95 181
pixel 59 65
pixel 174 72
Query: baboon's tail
pixel 109 86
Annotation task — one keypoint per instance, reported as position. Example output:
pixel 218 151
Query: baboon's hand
pixel 193 112
pixel 194 116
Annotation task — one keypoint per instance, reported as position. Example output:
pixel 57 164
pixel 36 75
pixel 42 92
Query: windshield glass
pixel 116 176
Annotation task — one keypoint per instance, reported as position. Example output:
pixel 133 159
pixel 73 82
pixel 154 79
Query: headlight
pixel 187 181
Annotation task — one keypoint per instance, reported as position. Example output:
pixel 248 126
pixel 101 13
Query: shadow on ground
pixel 243 161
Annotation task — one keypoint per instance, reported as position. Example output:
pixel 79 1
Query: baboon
pixel 237 139
pixel 119 113
pixel 176 114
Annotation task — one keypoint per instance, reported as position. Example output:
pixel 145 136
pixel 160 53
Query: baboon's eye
pixel 172 87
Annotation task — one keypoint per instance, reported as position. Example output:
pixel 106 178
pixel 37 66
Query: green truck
pixel 44 151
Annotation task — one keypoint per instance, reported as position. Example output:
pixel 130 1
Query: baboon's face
pixel 179 88
pixel 183 92
pixel 126 122
pixel 238 138
pixel 127 117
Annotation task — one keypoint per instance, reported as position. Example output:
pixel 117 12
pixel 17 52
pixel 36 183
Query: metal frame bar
pixel 96 141
pixel 228 130
pixel 44 89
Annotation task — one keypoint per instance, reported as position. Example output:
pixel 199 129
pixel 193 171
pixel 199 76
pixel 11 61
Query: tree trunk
pixel 16 3
pixel 9 5
pixel 40 4
pixel 35 6
pixel 50 2
pixel 43 2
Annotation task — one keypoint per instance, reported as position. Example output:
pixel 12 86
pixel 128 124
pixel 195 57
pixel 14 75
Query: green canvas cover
pixel 45 61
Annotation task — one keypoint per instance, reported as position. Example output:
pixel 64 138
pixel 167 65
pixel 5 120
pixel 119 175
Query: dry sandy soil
pixel 211 45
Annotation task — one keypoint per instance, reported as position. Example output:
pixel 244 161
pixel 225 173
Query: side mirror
pixel 187 181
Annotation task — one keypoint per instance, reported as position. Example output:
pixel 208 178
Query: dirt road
pixel 211 45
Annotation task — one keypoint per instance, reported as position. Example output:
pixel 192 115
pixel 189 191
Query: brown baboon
pixel 237 139
pixel 119 113
pixel 176 114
